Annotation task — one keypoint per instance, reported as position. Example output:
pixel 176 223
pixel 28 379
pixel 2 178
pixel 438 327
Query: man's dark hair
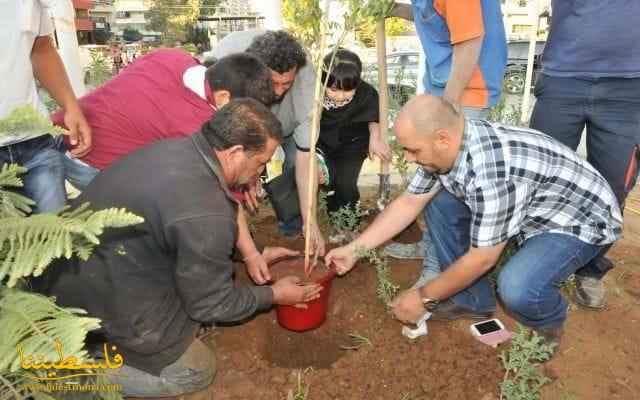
pixel 243 75
pixel 279 50
pixel 346 71
pixel 245 122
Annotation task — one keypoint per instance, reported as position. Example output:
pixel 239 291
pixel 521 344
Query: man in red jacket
pixel 164 94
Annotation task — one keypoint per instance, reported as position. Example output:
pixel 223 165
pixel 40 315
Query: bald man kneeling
pixel 483 184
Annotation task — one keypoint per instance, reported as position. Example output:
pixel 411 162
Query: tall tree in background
pixel 172 18
pixel 366 29
pixel 365 25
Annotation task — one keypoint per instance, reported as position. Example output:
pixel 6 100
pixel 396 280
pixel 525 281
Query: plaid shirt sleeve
pixel 422 182
pixel 497 212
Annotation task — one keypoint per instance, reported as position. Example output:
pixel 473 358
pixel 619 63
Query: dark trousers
pixel 609 108
pixel 344 168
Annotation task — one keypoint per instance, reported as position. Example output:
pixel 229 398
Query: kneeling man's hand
pixel 407 306
pixel 289 292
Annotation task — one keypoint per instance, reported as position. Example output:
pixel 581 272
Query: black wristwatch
pixel 429 304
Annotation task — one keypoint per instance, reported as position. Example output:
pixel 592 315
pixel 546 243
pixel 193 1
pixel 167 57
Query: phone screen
pixel 487 327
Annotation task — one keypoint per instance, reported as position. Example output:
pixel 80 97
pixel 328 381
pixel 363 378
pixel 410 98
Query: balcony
pixel 84 24
pixel 83 4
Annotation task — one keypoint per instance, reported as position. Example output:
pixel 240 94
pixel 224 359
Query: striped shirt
pixel 520 183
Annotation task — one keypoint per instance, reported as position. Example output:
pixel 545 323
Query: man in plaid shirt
pixel 483 184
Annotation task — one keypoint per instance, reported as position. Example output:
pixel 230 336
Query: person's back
pixel 145 102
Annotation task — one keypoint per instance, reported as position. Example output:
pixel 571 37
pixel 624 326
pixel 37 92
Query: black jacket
pixel 153 283
pixel 345 129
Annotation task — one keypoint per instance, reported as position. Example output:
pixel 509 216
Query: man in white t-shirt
pixel 28 53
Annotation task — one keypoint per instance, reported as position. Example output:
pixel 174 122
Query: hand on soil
pixel 407 306
pixel 343 259
pixel 289 292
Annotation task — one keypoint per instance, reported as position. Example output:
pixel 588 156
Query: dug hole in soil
pixel 598 358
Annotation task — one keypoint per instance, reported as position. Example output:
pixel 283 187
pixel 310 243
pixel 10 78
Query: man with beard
pixel 293 85
pixel 152 284
pixel 483 184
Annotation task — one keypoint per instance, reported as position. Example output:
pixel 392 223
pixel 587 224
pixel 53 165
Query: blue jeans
pixel 528 284
pixel 77 173
pixel 294 226
pixel 44 180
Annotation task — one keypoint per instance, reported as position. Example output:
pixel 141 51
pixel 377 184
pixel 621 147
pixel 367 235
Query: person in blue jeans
pixel 483 184
pixel 25 29
pixel 591 79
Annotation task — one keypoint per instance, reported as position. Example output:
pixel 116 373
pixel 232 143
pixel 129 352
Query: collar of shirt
pixel 209 156
pixel 195 79
pixel 459 170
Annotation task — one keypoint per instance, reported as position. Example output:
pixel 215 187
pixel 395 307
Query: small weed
pixel 386 289
pixel 623 276
pixel 511 115
pixel 301 389
pixel 400 163
pixel 564 393
pixel 253 226
pixel 522 378
pixel 619 261
pixel 616 291
pixel 346 220
pixel 570 284
pixel 358 341
pixel 407 396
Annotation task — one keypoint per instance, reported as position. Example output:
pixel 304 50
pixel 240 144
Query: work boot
pixel 589 291
pixel 447 310
pixel 411 251
pixel 550 336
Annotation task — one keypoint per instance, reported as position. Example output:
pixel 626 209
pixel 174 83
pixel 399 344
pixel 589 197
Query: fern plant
pixel 28 243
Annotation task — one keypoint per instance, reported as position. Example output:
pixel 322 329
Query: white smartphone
pixel 486 327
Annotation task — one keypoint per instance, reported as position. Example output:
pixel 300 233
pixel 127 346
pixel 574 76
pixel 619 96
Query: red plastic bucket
pixel 298 319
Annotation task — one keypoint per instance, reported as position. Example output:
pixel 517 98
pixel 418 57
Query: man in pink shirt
pixel 164 94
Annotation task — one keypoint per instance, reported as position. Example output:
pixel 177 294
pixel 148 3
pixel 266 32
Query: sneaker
pixel 551 336
pixel 412 251
pixel 447 310
pixel 589 291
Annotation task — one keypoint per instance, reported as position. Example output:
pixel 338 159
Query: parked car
pixel 515 74
pixel 402 75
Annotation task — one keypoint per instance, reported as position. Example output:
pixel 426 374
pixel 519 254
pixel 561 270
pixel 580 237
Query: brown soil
pixel 294 266
pixel 599 357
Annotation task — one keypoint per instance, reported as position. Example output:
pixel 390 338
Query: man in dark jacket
pixel 154 283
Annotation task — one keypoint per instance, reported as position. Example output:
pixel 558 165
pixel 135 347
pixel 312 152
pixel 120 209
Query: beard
pixel 277 99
